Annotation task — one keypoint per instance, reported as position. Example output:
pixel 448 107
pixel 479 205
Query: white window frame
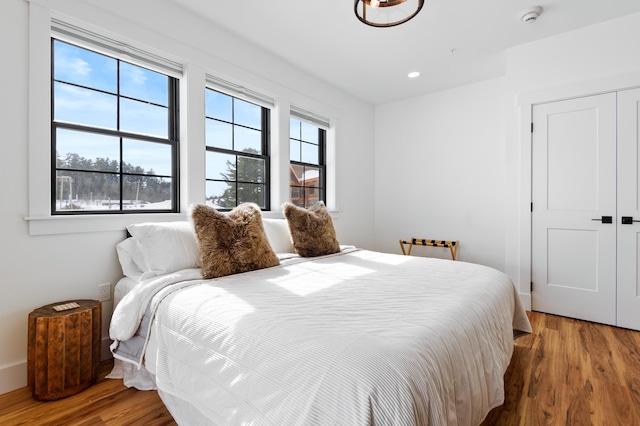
pixel 43 25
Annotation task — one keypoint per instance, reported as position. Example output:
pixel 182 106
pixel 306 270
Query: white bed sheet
pixel 360 338
pixel 123 286
pixel 131 375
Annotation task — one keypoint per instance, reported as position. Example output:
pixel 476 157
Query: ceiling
pixel 450 42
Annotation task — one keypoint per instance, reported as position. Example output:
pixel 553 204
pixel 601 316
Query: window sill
pixel 51 225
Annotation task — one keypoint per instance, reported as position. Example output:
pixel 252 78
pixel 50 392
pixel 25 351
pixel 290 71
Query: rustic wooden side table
pixel 63 348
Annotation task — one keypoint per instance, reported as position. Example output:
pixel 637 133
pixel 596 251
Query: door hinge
pixel 531 287
pixel 531 206
pixel 531 127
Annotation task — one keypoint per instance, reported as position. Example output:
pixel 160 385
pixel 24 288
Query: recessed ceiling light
pixel 413 74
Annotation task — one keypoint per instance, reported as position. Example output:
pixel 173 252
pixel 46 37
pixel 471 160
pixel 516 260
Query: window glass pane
pixel 221 194
pixel 250 170
pixel 218 105
pixel 229 196
pixel 146 85
pixel 247 140
pixel 149 158
pixel 294 129
pixel 146 192
pixel 247 114
pixel 143 118
pixel 309 153
pixel 221 166
pixel 296 175
pixel 219 134
pixel 296 196
pixel 251 193
pixel 76 191
pixel 87 151
pixel 84 106
pixel 294 150
pixel 309 133
pixel 83 67
pixel 315 197
pixel 311 177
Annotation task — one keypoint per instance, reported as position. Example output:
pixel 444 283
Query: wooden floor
pixel 108 402
pixel 568 372
pixel 571 372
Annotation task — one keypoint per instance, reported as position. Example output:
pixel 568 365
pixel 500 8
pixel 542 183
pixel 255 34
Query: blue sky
pixel 95 104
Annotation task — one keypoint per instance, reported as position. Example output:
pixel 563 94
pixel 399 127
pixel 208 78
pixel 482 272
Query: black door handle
pixel 605 219
pixel 628 220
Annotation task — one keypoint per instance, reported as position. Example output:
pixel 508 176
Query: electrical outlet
pixel 104 292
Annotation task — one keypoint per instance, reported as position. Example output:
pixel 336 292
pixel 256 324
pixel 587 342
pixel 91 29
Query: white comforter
pixel 359 338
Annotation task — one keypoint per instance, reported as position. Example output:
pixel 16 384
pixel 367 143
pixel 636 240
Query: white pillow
pixel 278 234
pixel 131 258
pixel 165 247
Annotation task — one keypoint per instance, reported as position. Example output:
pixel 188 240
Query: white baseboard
pixel 525 298
pixel 14 376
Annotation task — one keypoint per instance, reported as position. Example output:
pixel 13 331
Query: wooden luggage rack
pixel 451 245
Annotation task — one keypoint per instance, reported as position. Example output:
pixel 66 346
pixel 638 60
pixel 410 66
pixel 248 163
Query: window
pixel 237 146
pixel 307 170
pixel 114 135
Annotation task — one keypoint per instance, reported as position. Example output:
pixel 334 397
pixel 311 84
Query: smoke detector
pixel 531 14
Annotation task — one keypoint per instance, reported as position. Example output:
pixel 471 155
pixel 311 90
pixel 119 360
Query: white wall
pixel 456 164
pixel 42 269
pixel 440 172
pixel 591 60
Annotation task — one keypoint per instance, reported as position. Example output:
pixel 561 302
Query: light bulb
pixel 374 3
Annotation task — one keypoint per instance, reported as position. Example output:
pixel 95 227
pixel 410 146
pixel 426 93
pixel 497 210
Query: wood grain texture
pixel 63 349
pixel 107 402
pixel 567 372
pixel 571 372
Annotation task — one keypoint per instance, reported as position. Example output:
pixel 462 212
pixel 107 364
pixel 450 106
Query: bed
pixel 354 337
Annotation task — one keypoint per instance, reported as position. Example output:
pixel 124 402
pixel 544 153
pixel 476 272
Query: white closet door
pixel 574 188
pixel 629 208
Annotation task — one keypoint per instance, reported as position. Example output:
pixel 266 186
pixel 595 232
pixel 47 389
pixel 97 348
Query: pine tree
pixel 245 182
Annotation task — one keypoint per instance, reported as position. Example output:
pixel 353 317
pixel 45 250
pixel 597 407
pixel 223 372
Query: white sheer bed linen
pixel 356 339
pixel 131 375
pixel 123 286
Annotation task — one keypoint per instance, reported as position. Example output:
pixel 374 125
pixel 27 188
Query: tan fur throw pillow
pixel 232 243
pixel 311 230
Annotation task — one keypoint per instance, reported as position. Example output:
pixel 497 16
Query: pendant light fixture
pixel 386 13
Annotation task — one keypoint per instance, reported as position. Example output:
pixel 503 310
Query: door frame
pixel 525 103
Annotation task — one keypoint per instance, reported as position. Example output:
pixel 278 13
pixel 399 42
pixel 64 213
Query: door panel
pixel 572 258
pixel 574 182
pixel 572 135
pixel 628 205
